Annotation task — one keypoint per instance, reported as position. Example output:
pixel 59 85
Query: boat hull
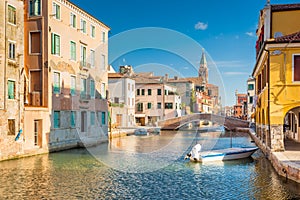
pixel 224 154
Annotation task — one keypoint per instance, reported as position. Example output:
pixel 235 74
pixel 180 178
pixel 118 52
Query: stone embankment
pixel 287 163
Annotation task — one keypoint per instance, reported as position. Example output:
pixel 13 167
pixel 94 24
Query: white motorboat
pixel 196 155
pixel 141 132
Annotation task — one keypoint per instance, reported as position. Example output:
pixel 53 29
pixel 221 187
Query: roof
pixel 294 37
pixel 115 75
pixel 284 7
pixel 90 15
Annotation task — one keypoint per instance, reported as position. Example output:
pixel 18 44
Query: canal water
pixel 145 167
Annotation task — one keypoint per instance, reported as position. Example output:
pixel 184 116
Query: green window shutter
pixel 92 88
pixel 52 43
pixel 57 45
pixel 56 119
pixel 103 118
pixel 57 11
pixel 37 7
pixel 73 117
pixel 92 118
pixel 11 89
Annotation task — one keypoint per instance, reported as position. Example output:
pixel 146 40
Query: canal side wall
pixel 281 164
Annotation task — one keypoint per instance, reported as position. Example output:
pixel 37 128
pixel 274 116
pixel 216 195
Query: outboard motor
pixel 194 152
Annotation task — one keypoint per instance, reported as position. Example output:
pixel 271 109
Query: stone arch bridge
pixel 230 123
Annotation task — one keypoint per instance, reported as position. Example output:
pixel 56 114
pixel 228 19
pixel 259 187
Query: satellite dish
pixel 277 34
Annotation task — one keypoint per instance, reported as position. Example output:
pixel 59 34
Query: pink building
pixel 66 54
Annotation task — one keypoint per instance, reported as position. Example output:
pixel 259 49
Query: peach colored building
pixel 66 54
pixel 155 101
pixel 12 78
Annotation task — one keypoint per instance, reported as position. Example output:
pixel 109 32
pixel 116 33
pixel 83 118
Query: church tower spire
pixel 203 70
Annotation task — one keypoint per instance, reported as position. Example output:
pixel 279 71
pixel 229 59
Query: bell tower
pixel 203 70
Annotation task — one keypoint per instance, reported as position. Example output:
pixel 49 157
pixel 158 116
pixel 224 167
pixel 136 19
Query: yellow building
pixel 277 74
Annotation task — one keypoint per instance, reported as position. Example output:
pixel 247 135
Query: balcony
pixel 83 65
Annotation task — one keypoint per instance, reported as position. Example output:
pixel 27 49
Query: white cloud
pixel 201 26
pixel 235 73
pixel 186 68
pixel 251 34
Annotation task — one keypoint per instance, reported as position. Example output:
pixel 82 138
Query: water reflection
pixel 76 174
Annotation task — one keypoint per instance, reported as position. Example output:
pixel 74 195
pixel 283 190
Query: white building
pixel 250 98
pixel 122 100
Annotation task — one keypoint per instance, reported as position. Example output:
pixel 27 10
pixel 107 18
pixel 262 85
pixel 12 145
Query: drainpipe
pixel 5 54
pixel 269 126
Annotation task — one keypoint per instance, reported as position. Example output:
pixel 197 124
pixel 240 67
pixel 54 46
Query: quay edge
pixel 279 161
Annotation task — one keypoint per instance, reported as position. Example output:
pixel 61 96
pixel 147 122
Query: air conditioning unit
pixel 36 98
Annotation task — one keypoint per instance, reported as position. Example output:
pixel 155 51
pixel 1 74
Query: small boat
pixel 219 155
pixel 141 132
pixel 155 130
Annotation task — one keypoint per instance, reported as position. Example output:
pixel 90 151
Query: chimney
pixel 175 77
pixel 166 77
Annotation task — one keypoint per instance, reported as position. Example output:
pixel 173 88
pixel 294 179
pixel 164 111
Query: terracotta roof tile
pixel 294 37
pixel 283 7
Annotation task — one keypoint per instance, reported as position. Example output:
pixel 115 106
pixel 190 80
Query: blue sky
pixel 225 29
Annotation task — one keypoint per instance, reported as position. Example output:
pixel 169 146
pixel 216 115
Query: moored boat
pixel 219 155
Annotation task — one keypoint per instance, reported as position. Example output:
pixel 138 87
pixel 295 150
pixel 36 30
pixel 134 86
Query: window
pixel 73 50
pixel 128 86
pixel 92 88
pixel 169 105
pixel 250 99
pixel 73 20
pixel 149 105
pixel 73 85
pixel 11 14
pixel 103 62
pixel 56 83
pixel 103 37
pixel 296 68
pixel 12 50
pixel 83 56
pixel 103 118
pixel 83 26
pixel 55 44
pixel 73 119
pixel 83 88
pixel 56 119
pixel 128 101
pixel 83 121
pixel 11 127
pixel 92 58
pixel 132 87
pixel 11 89
pixel 92 118
pixel 56 10
pixel 132 101
pixel 143 92
pixel 103 91
pixel 187 93
pixel 158 105
pixel 158 91
pixel 34 7
pixel 140 107
pixel 138 92
pixel 149 92
pixel 251 87
pixel 35 42
pixel 93 31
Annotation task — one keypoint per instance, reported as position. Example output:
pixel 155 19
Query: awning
pixel 140 115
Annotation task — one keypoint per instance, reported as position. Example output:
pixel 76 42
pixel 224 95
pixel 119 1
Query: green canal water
pixel 145 167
